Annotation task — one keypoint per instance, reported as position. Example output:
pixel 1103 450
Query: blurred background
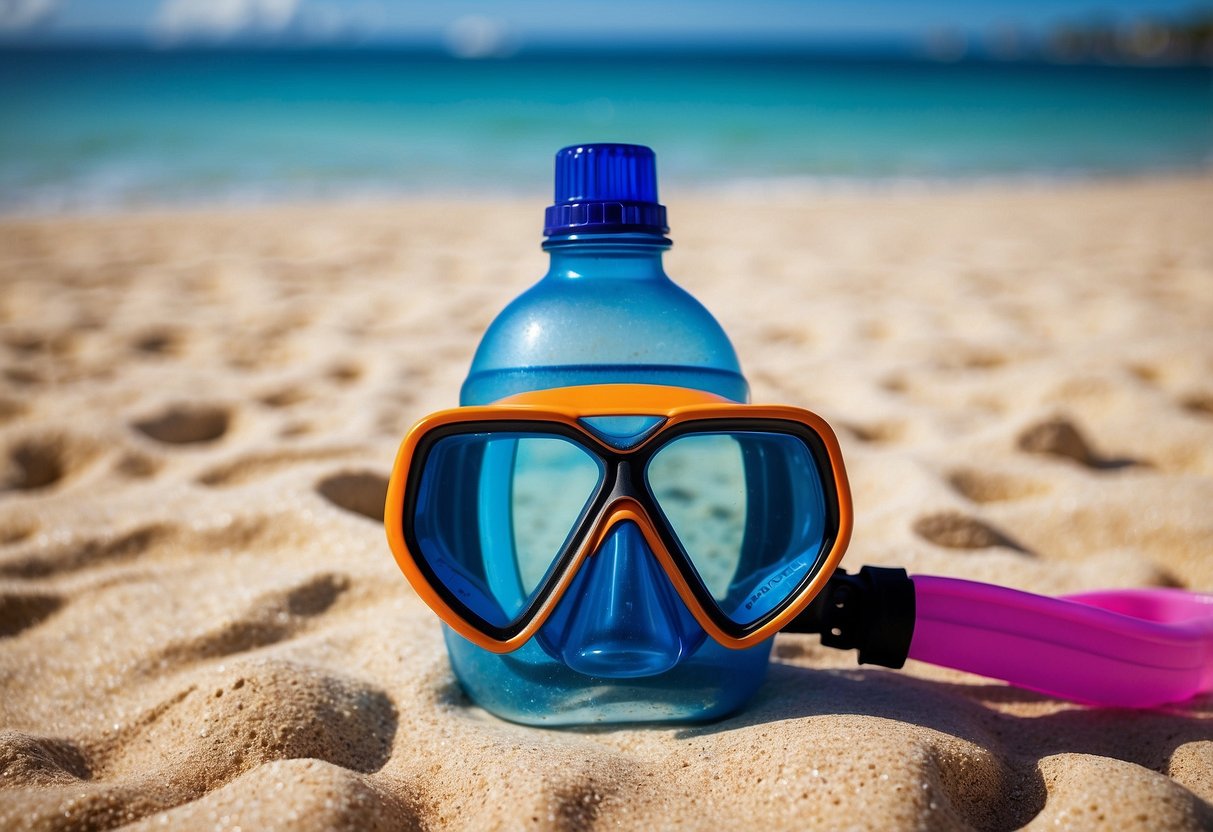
pixel 135 103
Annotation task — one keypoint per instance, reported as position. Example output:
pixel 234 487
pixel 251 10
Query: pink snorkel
pixel 1129 648
pixel 1134 648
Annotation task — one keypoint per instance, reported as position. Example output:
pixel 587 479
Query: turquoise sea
pixel 84 130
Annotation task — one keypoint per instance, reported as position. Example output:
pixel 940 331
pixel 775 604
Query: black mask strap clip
pixel 872 611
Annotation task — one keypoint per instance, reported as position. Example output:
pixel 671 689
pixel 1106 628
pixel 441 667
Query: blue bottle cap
pixel 605 188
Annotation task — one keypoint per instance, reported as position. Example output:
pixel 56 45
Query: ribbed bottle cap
pixel 604 188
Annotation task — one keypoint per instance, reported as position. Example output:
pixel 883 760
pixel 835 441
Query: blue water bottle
pixel 621 646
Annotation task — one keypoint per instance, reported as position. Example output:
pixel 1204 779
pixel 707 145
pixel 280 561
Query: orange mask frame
pixel 566 407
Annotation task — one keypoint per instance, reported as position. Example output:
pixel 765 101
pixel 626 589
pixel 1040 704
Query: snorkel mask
pixel 741 513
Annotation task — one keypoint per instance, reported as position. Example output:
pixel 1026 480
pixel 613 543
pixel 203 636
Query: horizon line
pixel 899 49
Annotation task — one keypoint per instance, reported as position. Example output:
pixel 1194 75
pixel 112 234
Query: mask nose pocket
pixel 621 618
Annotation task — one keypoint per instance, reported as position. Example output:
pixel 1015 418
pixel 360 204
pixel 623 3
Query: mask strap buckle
pixel 872 611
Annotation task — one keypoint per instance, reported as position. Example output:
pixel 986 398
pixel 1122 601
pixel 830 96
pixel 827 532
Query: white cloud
pixel 221 19
pixel 475 36
pixel 22 14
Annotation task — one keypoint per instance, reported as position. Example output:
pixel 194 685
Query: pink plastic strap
pixel 1128 648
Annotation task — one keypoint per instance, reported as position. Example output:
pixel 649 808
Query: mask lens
pixel 493 513
pixel 750 511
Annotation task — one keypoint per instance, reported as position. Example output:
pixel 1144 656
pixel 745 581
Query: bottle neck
pixel 606 256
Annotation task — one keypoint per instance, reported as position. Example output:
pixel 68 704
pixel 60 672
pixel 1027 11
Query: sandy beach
pixel 201 626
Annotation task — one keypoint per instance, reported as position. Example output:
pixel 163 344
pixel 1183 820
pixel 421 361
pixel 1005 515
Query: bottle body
pixel 607 313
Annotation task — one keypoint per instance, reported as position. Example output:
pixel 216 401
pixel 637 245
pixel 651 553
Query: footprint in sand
pixel 259 710
pixel 361 492
pixel 953 530
pixel 1060 437
pixel 89 553
pixel 247 721
pixel 34 464
pixel 1200 404
pixel 138 466
pixel 345 373
pixel 158 343
pixel 25 376
pixel 876 432
pixel 329 796
pixel 253 466
pixel 10 409
pixel 159 540
pixel 28 760
pixel 284 397
pixel 971 359
pixel 39 462
pixel 16 529
pixel 1086 792
pixel 27 344
pixel 21 610
pixel 1147 373
pixel 796 336
pixel 273 617
pixel 186 424
pixel 993 487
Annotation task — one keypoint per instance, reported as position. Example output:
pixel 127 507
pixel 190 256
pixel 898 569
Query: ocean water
pixel 84 130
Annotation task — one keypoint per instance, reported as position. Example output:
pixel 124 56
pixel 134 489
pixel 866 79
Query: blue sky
pixel 491 24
